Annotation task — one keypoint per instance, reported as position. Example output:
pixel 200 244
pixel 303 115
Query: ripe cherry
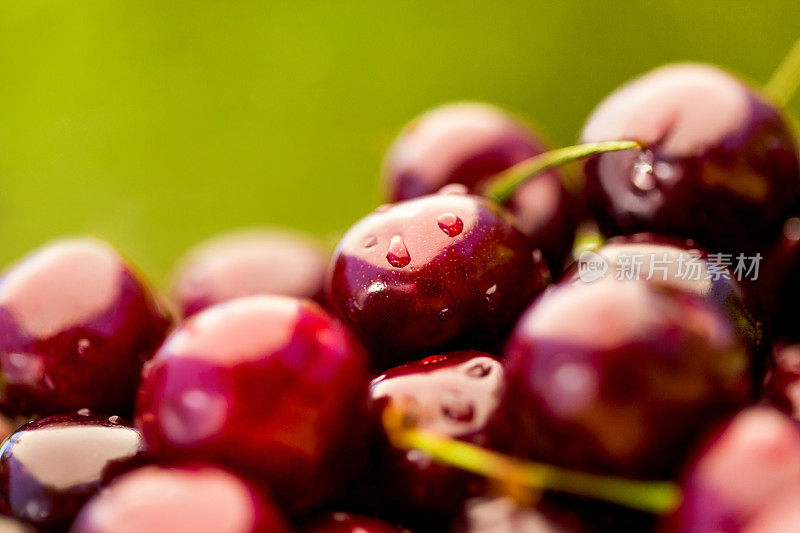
pixel 247 263
pixel 350 523
pixel 617 378
pixel 435 273
pixel 51 466
pixel 721 164
pixel 77 324
pixel 453 395
pixel 271 385
pixel 469 143
pixel 737 471
pixel 180 500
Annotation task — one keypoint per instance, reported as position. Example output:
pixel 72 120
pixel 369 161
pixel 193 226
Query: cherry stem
pixel 783 84
pixel 659 497
pixel 505 183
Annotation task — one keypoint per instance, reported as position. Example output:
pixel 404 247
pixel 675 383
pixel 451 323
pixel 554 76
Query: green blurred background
pixel 155 124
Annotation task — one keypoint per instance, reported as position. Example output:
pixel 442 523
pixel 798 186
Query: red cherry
pixel 469 143
pixel 248 263
pixel 617 378
pixel 407 286
pixel 77 324
pixel 179 500
pixel 269 384
pixel 739 470
pixel 51 466
pixel 721 165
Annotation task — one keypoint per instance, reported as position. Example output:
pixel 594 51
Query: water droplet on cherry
pixel 445 314
pixel 450 224
pixel 370 241
pixel 491 296
pixel 398 255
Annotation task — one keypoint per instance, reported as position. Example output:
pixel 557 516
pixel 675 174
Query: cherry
pixel 349 523
pixel 452 394
pixel 778 285
pixel 469 143
pixel 272 385
pixel 737 471
pixel 782 386
pixel 721 164
pixel 247 263
pixel 440 272
pixel 51 466
pixel 180 500
pixel 617 378
pixel 77 324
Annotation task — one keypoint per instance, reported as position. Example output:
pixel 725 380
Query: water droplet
pixel 457 408
pixel 353 308
pixel 398 255
pixel 49 384
pixel 537 256
pixel 370 241
pixel 454 188
pixel 84 412
pixel 491 296
pixel 83 346
pixel 114 419
pixel 450 224
pixel 479 370
pixel 445 314
pixel 643 177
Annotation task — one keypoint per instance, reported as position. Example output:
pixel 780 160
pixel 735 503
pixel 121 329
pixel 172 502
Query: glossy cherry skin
pixel 738 470
pixel 350 523
pixel 453 394
pixel 619 377
pixel 271 385
pixel 665 260
pixel 469 143
pixel 778 285
pixel 188 499
pixel 245 263
pixel 51 466
pixel 76 326
pixel 721 164
pixel 441 272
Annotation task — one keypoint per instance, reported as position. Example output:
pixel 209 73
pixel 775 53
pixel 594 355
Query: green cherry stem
pixel 783 84
pixel 504 184
pixel 659 497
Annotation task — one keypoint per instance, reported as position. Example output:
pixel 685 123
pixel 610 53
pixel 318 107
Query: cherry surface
pixel 156 499
pixel 350 523
pixel 76 325
pixel 778 286
pixel 738 470
pixel 51 466
pixel 271 385
pixel 721 164
pixel 436 273
pixel 452 394
pixel 618 378
pixel 469 143
pixel 245 263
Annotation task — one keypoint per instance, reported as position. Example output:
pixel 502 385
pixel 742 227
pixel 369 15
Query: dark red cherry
pixel 180 500
pixel 721 164
pixel 737 471
pixel 468 143
pixel 247 263
pixel 350 523
pixel 272 385
pixel 778 284
pixel 409 287
pixel 618 378
pixel 51 466
pixel 782 385
pixel 453 395
pixel 77 324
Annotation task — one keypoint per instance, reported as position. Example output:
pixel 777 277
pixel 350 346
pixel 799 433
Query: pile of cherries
pixel 258 396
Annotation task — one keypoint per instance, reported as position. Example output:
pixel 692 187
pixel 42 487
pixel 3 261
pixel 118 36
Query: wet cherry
pixel 721 164
pixel 180 500
pixel 51 466
pixel 77 324
pixel 618 378
pixel 350 523
pixel 452 394
pixel 738 470
pixel 439 272
pixel 468 143
pixel 271 385
pixel 246 263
